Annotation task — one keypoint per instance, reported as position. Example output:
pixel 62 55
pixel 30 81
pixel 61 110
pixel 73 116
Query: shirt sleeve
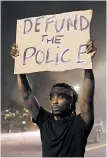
pixel 42 117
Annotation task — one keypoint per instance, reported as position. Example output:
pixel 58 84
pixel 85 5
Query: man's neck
pixel 62 117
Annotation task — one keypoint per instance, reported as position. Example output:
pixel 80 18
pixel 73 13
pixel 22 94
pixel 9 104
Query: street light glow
pixel 77 87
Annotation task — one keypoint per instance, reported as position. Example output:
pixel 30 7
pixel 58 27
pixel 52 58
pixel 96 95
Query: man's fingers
pixel 93 54
pixel 15 45
pixel 89 46
pixel 90 42
pixel 89 50
pixel 17 51
pixel 14 53
pixel 13 48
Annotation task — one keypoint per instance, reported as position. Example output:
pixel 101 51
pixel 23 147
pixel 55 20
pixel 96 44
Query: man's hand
pixel 90 48
pixel 14 51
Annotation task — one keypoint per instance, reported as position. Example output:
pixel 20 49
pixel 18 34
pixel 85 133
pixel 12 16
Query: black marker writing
pixel 71 24
pixel 36 56
pixel 79 53
pixel 81 23
pixel 28 56
pixel 48 21
pixel 54 39
pixel 27 21
pixel 37 24
pixel 47 57
pixel 43 57
pixel 62 25
pixel 62 57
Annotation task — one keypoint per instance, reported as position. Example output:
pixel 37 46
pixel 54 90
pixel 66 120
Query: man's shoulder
pixel 79 119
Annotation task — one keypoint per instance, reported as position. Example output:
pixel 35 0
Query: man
pixel 63 133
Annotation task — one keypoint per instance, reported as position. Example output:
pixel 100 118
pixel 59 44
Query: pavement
pixel 19 145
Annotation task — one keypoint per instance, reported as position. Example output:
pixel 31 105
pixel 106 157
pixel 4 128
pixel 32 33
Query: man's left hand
pixel 90 48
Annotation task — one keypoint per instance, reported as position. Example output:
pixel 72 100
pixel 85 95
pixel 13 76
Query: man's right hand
pixel 14 51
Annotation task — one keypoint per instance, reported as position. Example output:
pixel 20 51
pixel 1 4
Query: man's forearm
pixel 23 85
pixel 87 105
pixel 26 93
pixel 89 74
pixel 89 85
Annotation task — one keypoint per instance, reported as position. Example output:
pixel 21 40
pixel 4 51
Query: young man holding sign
pixel 63 133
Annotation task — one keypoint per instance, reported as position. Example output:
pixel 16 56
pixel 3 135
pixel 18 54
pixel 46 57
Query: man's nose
pixel 55 101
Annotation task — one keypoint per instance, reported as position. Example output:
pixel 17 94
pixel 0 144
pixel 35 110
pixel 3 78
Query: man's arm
pixel 24 87
pixel 26 93
pixel 87 103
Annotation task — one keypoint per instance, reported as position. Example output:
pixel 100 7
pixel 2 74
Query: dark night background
pixel 42 81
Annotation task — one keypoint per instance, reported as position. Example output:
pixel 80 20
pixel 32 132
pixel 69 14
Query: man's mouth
pixel 56 107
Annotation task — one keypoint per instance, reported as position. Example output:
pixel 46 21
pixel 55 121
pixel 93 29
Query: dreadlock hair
pixel 75 95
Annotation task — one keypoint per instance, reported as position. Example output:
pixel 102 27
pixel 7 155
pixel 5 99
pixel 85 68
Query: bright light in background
pixel 77 88
pixel 23 122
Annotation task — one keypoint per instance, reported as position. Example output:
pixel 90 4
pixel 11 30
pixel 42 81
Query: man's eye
pixel 60 97
pixel 52 97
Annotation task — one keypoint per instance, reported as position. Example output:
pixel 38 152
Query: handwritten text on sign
pixel 53 42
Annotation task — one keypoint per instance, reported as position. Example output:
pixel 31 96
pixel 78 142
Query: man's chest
pixel 58 132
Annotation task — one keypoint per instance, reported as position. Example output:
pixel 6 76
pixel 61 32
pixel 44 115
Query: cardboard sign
pixel 53 42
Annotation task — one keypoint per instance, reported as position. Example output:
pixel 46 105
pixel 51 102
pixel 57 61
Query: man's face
pixel 60 105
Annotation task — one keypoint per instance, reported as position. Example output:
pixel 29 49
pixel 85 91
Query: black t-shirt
pixel 59 138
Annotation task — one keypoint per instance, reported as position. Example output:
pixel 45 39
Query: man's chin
pixel 56 114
